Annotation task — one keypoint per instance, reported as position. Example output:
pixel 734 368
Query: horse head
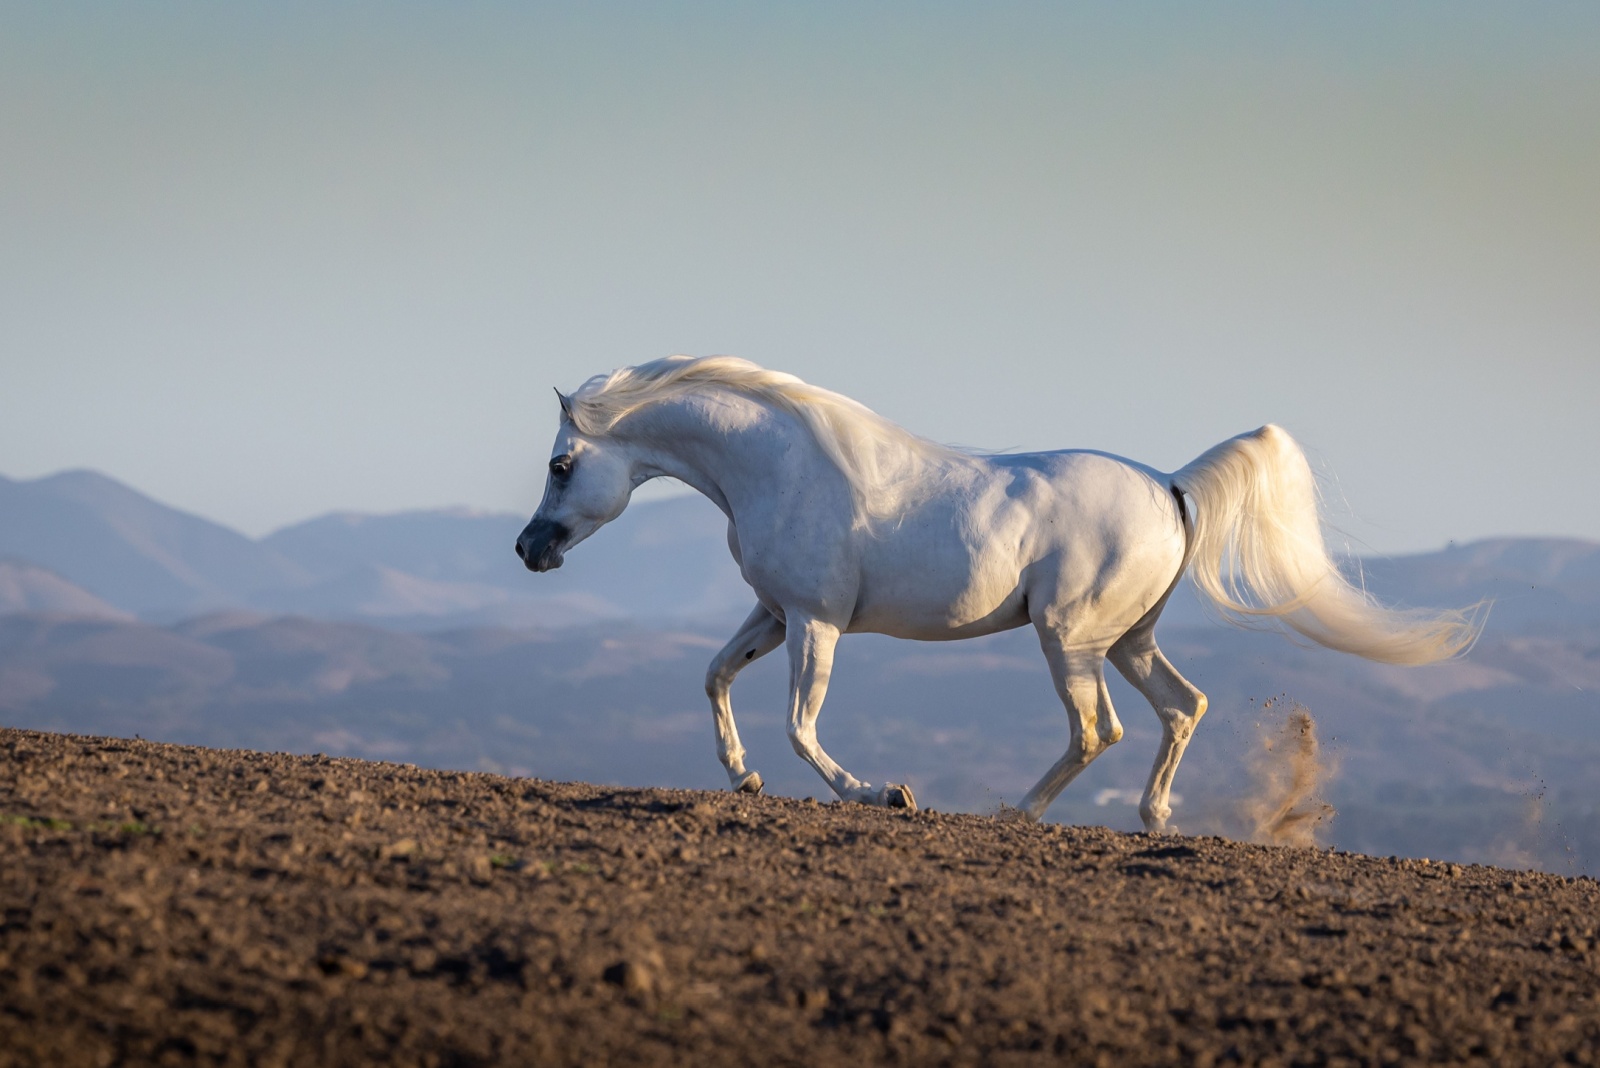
pixel 590 480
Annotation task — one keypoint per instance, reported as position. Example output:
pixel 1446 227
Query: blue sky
pixel 270 260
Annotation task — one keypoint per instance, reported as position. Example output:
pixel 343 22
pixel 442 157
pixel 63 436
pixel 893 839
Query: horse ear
pixel 566 406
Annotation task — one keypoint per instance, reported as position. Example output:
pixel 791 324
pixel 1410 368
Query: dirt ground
pixel 163 904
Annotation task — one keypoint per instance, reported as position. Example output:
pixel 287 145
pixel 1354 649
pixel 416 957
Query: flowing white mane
pixel 880 459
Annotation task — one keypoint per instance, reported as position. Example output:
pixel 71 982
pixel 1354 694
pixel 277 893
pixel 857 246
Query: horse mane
pixel 880 460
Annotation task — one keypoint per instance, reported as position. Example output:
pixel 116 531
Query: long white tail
pixel 1259 554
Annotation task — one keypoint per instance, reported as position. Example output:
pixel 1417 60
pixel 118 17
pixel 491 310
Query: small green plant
pixel 34 824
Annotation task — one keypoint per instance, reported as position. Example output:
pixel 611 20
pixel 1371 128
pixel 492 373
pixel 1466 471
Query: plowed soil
pixel 164 904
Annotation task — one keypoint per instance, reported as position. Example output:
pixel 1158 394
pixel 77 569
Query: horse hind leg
pixel 1081 685
pixel 758 635
pixel 1175 700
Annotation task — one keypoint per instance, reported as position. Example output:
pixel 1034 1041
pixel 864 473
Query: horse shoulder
pixel 798 557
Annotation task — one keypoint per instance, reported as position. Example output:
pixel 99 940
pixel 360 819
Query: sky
pixel 269 260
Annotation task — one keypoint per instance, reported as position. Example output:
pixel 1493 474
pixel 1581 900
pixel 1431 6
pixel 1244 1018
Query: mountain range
pixel 665 559
pixel 419 637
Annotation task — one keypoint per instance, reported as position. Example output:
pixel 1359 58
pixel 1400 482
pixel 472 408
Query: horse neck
pixel 733 449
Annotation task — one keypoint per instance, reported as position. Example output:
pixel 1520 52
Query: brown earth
pixel 164 904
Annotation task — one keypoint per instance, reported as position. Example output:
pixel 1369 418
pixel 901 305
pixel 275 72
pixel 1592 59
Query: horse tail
pixel 1257 552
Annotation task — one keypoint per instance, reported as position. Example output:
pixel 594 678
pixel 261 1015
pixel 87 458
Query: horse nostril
pixel 520 554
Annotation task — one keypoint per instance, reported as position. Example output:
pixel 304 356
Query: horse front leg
pixel 811 644
pixel 759 635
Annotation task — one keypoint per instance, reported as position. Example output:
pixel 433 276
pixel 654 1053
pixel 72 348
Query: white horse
pixel 843 522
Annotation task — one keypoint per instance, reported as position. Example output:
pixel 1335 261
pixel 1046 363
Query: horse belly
pixel 940 596
pixel 929 623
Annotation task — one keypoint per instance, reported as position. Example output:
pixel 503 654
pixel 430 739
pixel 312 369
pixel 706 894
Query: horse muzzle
pixel 540 544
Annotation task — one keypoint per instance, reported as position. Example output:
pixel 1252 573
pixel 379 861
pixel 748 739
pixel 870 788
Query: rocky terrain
pixel 166 904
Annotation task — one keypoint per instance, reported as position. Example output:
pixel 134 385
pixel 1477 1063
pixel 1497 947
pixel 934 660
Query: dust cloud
pixel 1287 770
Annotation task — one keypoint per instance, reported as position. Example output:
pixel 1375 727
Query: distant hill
pixel 1540 583
pixel 663 560
pixel 133 552
pixel 27 587
pixel 446 545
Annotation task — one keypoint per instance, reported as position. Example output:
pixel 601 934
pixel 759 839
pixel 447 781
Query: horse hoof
pixel 1010 814
pixel 898 796
pixel 750 784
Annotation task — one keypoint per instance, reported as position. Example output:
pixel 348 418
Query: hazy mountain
pixel 27 587
pixel 664 559
pixel 131 551
pixel 1533 582
pixel 447 545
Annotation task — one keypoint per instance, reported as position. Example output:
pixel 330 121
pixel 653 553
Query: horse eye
pixel 561 465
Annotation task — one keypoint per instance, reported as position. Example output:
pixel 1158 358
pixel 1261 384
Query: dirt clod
pixel 156 907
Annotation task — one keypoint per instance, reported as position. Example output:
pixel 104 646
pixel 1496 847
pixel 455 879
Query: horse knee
pixel 1105 731
pixel 1091 744
pixel 801 738
pixel 1181 722
pixel 718 679
pixel 1180 725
